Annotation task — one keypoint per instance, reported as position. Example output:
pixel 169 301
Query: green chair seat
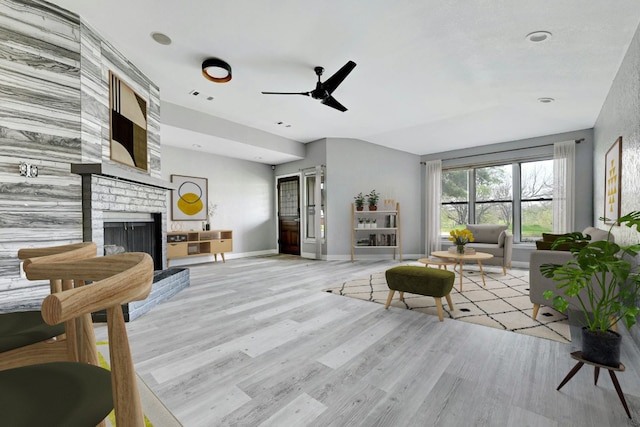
pixel 22 328
pixel 64 394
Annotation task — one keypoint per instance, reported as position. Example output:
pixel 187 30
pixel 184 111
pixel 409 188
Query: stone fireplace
pixel 113 194
pixel 127 210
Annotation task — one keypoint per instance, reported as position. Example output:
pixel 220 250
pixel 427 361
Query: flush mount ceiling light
pixel 546 100
pixel 538 36
pixel 161 38
pixel 216 70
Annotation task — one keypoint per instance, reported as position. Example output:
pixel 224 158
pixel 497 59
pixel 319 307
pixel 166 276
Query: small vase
pixel 460 249
pixel 373 207
pixel 359 208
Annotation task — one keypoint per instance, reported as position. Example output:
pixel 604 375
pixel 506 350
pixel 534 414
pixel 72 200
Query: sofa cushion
pixel 486 233
pixel 488 248
pixel 597 234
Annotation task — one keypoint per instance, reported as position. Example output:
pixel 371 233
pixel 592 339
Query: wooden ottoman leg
pixel 401 296
pixel 448 297
pixel 389 298
pixel 439 306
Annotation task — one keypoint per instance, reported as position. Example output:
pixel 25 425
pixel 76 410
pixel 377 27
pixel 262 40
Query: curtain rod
pixel 577 141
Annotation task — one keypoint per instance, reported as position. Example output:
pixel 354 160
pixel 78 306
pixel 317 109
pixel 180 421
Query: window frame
pixel 516 192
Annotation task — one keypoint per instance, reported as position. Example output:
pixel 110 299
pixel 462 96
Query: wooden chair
pixel 25 338
pixel 75 393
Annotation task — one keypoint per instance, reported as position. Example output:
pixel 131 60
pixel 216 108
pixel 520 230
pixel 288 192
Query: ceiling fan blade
pixel 334 81
pixel 331 102
pixel 287 93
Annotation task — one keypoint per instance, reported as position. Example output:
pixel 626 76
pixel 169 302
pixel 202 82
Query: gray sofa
pixel 493 239
pixel 538 283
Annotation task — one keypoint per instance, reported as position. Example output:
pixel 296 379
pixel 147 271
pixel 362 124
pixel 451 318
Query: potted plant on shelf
pixel 606 285
pixel 373 198
pixel 359 200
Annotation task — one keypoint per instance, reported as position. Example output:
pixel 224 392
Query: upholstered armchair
pixel 537 282
pixel 493 239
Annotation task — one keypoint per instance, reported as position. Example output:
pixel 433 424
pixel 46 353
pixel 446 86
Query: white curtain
pixel 564 160
pixel 433 190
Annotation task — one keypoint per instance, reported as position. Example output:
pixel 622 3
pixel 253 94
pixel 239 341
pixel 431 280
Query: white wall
pixel 243 191
pixel 620 116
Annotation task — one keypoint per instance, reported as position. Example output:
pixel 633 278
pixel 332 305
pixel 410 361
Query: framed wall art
pixel 128 125
pixel 612 182
pixel 189 198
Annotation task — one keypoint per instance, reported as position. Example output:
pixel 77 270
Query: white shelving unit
pixel 384 235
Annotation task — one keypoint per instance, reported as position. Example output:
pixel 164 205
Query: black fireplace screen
pixel 138 236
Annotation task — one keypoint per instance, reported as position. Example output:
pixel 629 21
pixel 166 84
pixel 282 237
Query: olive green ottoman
pixel 427 281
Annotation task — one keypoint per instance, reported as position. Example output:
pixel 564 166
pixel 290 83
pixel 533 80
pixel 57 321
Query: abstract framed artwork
pixel 128 125
pixel 189 198
pixel 612 182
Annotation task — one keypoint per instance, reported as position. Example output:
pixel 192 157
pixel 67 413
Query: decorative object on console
pixel 461 238
pixel 189 198
pixel 128 133
pixel 612 182
pixel 612 284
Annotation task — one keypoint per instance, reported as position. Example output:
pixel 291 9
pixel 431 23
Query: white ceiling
pixel 432 75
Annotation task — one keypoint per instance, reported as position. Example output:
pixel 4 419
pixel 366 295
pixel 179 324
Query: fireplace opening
pixel 126 232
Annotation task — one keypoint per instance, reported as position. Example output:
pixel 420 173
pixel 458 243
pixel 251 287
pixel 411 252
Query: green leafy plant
pixel 360 198
pixel 373 198
pixel 602 269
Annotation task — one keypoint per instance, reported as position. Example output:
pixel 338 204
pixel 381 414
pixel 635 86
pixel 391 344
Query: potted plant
pixel 359 201
pixel 373 198
pixel 606 286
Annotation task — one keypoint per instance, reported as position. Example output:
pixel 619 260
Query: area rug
pixel 503 304
pixel 155 413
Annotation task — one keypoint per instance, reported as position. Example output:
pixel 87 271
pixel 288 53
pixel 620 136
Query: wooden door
pixel 289 215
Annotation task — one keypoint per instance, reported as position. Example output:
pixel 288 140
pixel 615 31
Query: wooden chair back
pixel 117 279
pixel 69 346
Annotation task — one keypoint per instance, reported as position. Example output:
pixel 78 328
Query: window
pixel 536 199
pixel 494 198
pixel 310 207
pixel 517 194
pixel 455 200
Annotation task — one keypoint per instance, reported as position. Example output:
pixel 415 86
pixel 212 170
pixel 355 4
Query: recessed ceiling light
pixel 196 145
pixel 546 100
pixel 538 36
pixel 161 38
pixel 216 70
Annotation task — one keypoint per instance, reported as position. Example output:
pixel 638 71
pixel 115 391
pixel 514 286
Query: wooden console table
pixel 199 243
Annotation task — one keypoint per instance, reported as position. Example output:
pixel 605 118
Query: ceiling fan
pixel 324 89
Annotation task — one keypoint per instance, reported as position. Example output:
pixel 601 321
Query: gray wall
pixel 243 191
pixel 355 166
pixel 620 116
pixel 532 148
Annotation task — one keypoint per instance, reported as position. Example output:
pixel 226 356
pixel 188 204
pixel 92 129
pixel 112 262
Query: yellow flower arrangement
pixel 461 237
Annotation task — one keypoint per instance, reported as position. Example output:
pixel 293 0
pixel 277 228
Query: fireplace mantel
pixel 119 173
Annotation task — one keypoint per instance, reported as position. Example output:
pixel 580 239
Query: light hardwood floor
pixel 255 342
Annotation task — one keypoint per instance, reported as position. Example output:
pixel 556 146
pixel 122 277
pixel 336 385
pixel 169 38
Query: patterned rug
pixel 503 304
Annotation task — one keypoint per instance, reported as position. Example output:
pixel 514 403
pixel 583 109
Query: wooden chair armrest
pixel 109 290
pixel 58 253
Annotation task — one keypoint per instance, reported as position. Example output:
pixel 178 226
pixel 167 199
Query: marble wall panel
pixel 54 111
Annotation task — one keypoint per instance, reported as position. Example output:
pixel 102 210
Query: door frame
pixel 275 207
